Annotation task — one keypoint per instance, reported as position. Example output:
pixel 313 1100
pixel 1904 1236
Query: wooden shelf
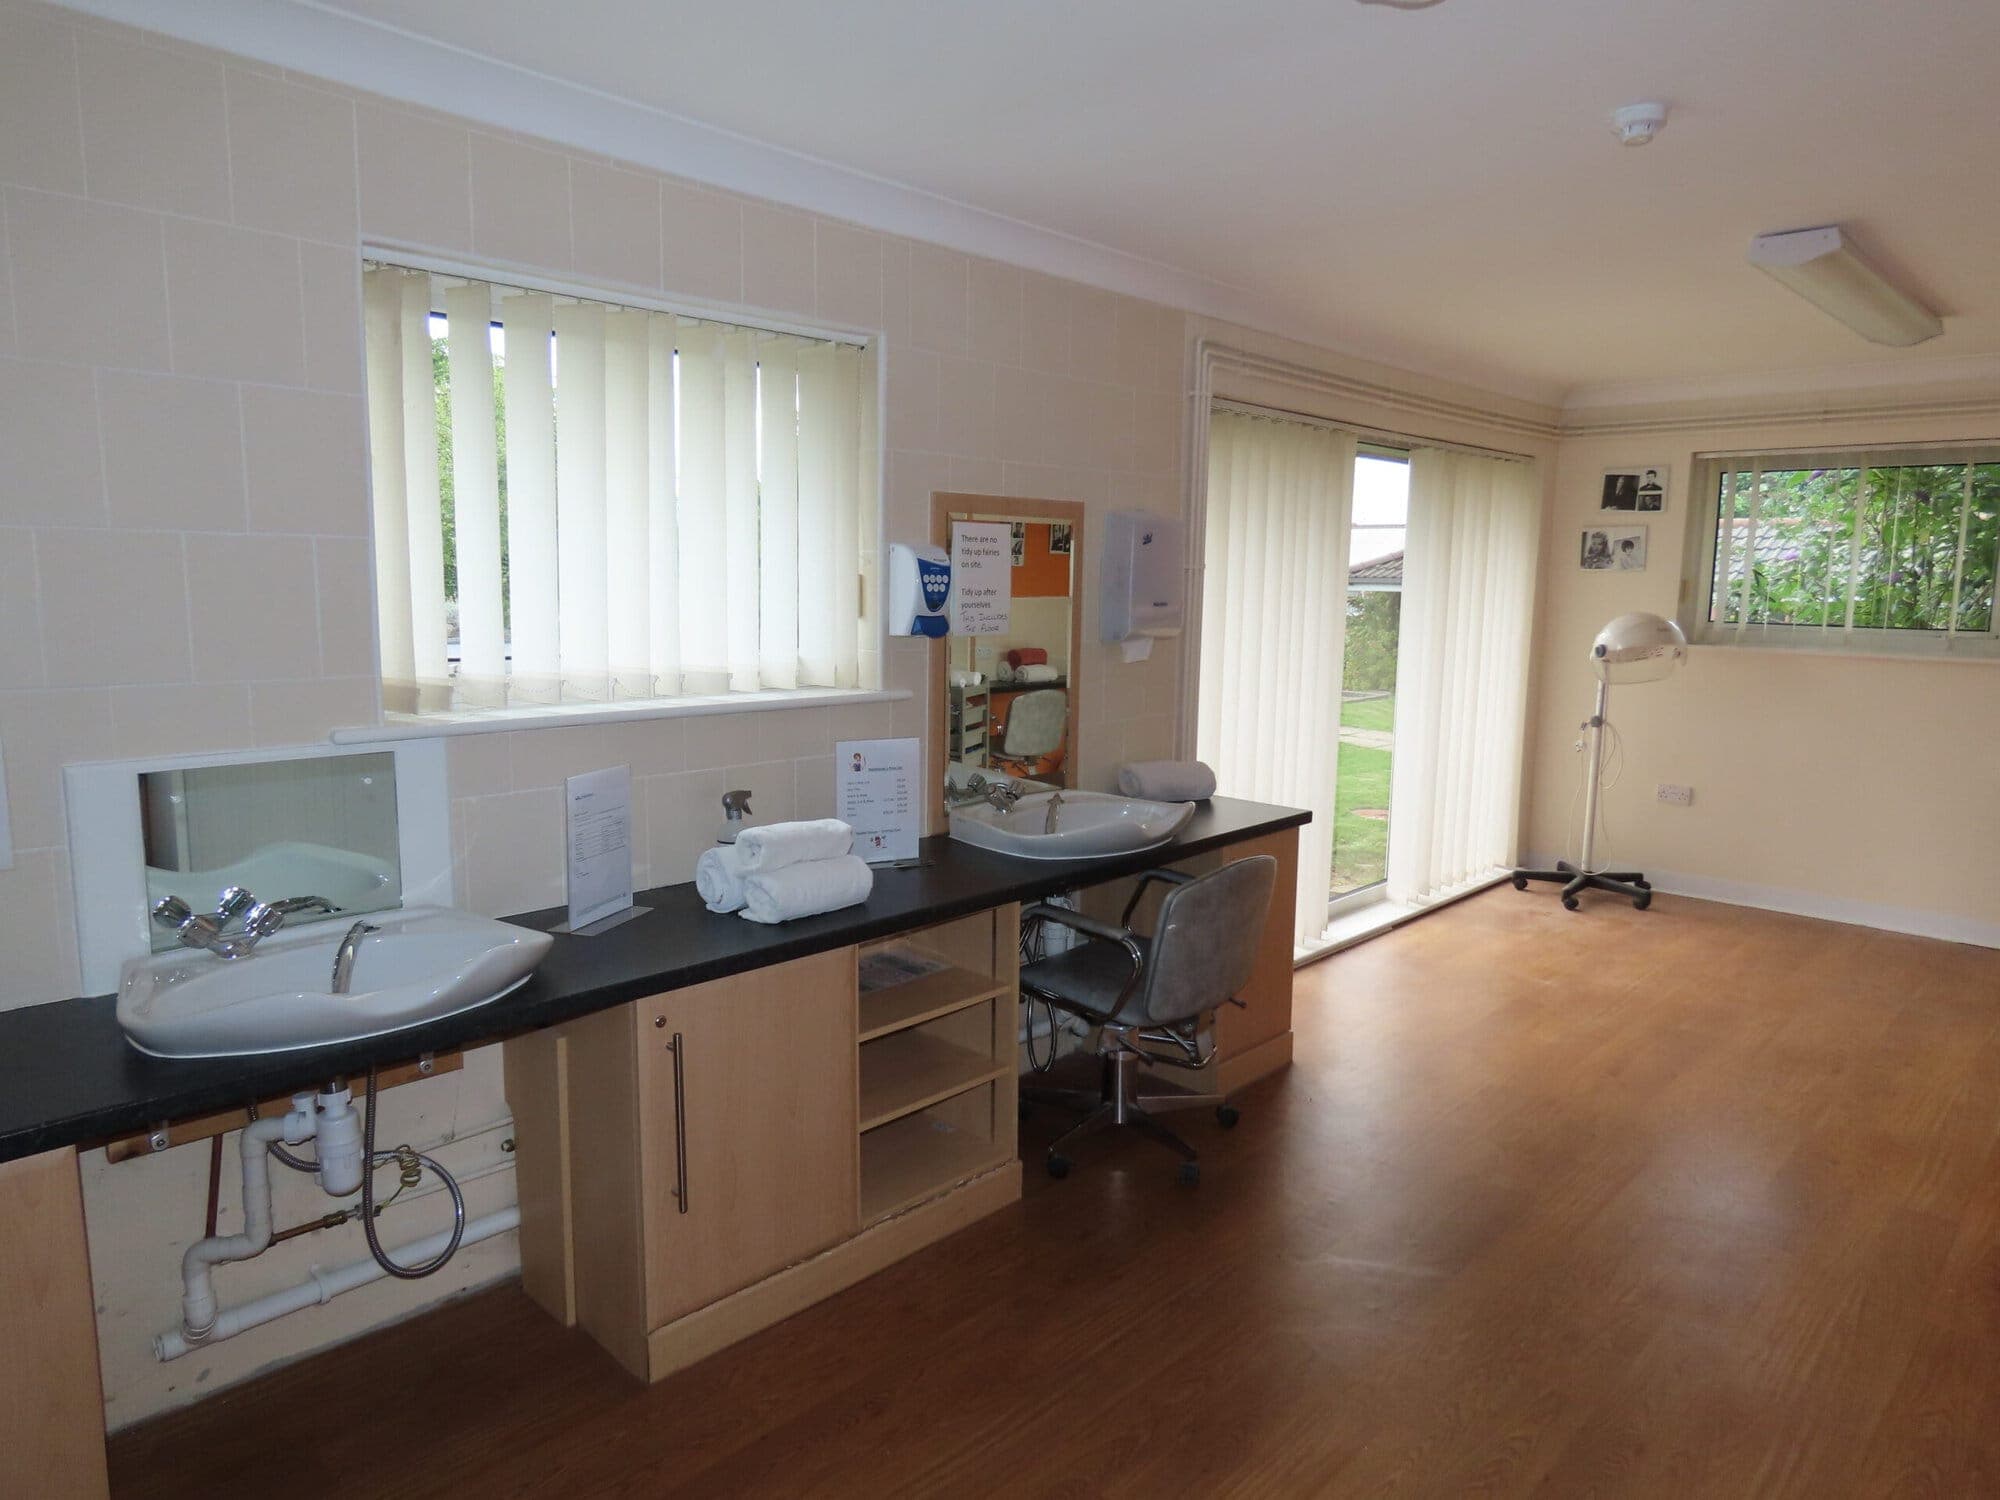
pixel 918 1157
pixel 907 1070
pixel 925 998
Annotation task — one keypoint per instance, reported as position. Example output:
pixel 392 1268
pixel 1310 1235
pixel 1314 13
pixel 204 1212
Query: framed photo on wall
pixel 1613 549
pixel 1641 491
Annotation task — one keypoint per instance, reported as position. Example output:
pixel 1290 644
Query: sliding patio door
pixel 1364 650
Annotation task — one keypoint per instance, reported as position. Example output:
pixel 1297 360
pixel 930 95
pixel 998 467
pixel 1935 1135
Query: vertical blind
pixel 1274 625
pixel 639 505
pixel 1462 670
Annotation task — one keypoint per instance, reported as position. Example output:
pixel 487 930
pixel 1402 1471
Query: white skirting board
pixel 1948 926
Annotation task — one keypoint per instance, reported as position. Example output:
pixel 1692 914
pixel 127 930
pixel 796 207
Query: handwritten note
pixel 875 787
pixel 982 574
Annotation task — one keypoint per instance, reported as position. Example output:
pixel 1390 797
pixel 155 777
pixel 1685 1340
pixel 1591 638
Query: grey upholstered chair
pixel 1035 724
pixel 1149 997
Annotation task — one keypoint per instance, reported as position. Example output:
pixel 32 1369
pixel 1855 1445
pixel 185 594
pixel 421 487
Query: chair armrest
pixel 1062 916
pixel 1165 877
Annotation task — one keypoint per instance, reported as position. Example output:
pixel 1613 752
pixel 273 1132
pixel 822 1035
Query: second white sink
pixel 1089 825
pixel 425 962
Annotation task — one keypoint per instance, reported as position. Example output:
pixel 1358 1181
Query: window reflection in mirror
pixel 1011 696
pixel 324 826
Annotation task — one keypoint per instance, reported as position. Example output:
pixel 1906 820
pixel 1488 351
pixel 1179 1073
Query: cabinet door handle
pixel 680 1125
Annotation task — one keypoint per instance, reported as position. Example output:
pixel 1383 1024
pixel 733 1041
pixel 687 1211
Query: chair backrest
pixel 1035 723
pixel 1206 942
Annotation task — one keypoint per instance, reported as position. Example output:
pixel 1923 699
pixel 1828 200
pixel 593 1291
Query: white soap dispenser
pixel 734 806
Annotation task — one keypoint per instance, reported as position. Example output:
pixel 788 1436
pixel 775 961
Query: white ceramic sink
pixel 426 962
pixel 1089 825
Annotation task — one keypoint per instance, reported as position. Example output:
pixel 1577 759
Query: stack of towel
pixel 784 870
pixel 1167 780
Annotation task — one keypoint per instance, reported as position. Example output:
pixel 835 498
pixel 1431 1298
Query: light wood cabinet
pixel 51 1402
pixel 700 1164
pixel 710 1139
pixel 746 1128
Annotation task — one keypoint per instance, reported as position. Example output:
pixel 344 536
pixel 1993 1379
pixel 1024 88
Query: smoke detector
pixel 1637 124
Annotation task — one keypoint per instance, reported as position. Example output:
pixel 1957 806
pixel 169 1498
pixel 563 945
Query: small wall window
pixel 578 501
pixel 1860 551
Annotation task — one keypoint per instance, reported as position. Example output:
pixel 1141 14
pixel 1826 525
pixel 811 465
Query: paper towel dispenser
pixel 1143 576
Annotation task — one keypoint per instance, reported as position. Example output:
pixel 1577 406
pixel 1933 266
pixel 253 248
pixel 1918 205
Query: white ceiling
pixel 1437 187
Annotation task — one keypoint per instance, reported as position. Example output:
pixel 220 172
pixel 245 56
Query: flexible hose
pixel 371 1156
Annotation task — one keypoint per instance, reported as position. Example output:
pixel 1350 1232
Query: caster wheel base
pixel 1226 1115
pixel 1058 1166
pixel 1190 1173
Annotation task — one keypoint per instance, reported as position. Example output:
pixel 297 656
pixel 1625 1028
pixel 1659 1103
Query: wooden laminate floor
pixel 1696 1202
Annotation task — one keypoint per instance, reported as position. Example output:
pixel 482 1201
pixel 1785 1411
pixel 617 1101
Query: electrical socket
pixel 1680 796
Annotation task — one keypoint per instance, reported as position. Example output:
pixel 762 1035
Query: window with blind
pixel 1877 550
pixel 578 501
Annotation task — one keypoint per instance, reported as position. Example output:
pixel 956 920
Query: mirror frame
pixel 944 503
pixel 107 844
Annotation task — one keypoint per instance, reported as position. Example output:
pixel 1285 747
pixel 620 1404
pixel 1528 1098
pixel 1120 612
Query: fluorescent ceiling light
pixel 1823 268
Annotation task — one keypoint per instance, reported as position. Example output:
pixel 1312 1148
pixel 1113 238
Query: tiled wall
pixel 183 553
pixel 183 512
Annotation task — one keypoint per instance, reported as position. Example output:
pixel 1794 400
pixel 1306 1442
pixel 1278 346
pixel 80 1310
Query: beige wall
pixel 184 559
pixel 1858 788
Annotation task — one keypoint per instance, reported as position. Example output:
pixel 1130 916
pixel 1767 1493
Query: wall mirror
pixel 366 828
pixel 283 830
pixel 1006 691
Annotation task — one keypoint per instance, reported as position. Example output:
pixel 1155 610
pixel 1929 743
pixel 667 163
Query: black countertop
pixel 68 1076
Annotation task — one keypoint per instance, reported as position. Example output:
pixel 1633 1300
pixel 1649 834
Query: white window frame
pixel 1698 580
pixel 395 726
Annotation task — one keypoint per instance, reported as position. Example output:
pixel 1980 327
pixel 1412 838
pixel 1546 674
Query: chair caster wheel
pixel 1226 1115
pixel 1570 903
pixel 1190 1173
pixel 1643 884
pixel 1058 1166
pixel 1643 900
pixel 1520 882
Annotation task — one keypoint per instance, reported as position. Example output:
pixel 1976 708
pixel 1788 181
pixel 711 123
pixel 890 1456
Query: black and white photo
pixel 1642 491
pixel 1614 549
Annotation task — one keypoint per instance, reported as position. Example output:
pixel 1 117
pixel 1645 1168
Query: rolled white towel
pixel 1167 780
pixel 1037 672
pixel 776 845
pixel 807 889
pixel 718 876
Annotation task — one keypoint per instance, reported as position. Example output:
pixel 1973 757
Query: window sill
pixel 567 715
pixel 1975 651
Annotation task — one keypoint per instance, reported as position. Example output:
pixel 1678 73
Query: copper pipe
pixel 214 1177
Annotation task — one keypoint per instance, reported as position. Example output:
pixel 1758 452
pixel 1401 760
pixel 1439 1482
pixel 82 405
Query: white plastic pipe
pixel 324 1286
pixel 198 1285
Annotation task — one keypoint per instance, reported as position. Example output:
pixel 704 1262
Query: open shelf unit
pixel 937 1059
pixel 909 1069
pixel 917 1157
pixel 897 1006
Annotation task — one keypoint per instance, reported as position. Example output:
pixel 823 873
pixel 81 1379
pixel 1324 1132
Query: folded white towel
pixel 1037 672
pixel 1167 780
pixel 807 889
pixel 718 875
pixel 775 845
pixel 960 678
